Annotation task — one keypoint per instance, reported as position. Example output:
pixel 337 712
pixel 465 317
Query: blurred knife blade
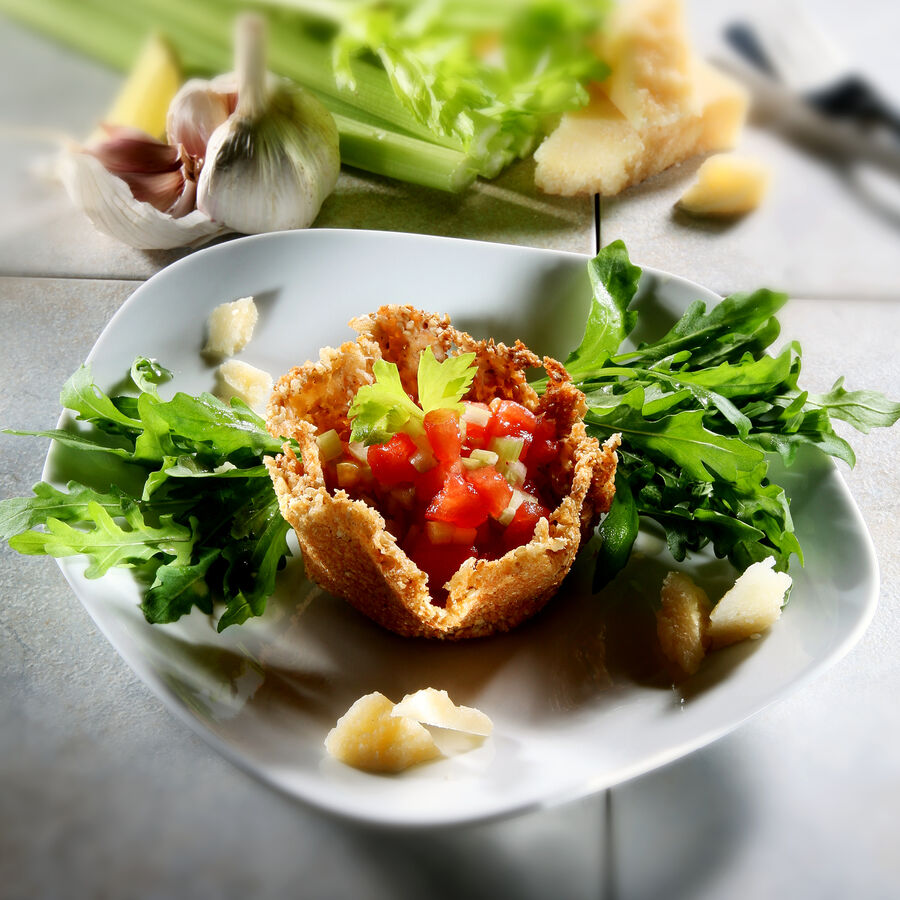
pixel 806 84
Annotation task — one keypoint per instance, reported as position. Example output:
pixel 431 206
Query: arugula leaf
pixel 383 408
pixel 107 543
pixel 700 408
pixel 683 440
pixel 618 532
pixel 147 374
pixel 80 441
pixel 82 396
pixel 199 512
pixel 177 588
pixel 864 410
pixel 20 514
pixel 614 281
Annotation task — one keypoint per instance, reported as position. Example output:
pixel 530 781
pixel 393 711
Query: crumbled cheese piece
pixel 455 729
pixel 751 606
pixel 726 185
pixel 368 737
pixel 235 378
pixel 681 622
pixel 433 707
pixel 661 105
pixel 230 327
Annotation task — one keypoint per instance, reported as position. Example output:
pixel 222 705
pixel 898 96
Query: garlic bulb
pixel 272 163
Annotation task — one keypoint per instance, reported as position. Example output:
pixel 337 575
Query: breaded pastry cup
pixel 346 547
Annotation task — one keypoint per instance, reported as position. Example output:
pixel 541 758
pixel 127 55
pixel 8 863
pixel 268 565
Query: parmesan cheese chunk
pixel 235 378
pixel 230 327
pixel 681 622
pixel 726 185
pixel 432 707
pixel 646 46
pixel 597 150
pixel 455 729
pixel 368 737
pixel 660 105
pixel 751 606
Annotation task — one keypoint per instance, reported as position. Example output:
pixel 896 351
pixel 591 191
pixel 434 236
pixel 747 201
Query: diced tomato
pixel 489 540
pixel 544 447
pixel 458 503
pixel 438 561
pixel 521 530
pixel 494 489
pixel 442 428
pixel 429 482
pixel 511 419
pixel 390 462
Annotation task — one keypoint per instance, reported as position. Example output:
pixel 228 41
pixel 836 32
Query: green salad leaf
pixel 701 409
pixel 194 513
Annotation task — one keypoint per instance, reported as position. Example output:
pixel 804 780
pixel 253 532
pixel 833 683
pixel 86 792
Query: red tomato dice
pixel 458 503
pixel 544 446
pixel 442 429
pixel 494 489
pixel 511 419
pixel 521 530
pixel 390 462
pixel 438 561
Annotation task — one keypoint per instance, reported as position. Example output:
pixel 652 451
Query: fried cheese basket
pixel 346 547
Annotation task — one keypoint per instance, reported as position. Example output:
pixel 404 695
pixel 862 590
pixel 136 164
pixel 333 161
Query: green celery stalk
pixel 377 133
pixel 399 156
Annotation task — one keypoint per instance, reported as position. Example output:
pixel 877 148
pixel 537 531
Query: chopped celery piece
pixel 445 533
pixel 508 514
pixel 359 451
pixel 488 457
pixel 329 445
pixel 423 460
pixel 514 471
pixel 477 415
pixel 348 474
pixel 507 449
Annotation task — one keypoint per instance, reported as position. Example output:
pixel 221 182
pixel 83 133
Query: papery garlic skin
pixel 197 110
pixel 271 165
pixel 109 204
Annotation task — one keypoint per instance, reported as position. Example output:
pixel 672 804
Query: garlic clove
pixel 196 111
pixel 108 202
pixel 125 149
pixel 157 173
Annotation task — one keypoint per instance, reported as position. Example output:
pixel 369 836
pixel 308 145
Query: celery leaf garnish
pixel 383 408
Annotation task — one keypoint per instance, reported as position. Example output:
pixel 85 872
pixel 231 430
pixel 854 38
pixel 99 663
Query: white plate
pixel 572 713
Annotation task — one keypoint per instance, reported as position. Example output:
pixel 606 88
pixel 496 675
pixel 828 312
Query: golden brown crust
pixel 346 547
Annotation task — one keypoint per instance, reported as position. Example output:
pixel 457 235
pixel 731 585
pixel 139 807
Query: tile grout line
pixel 132 279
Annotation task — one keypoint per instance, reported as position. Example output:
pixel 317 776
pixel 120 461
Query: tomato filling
pixel 474 484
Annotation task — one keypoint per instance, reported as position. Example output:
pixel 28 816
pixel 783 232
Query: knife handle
pixel 855 99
